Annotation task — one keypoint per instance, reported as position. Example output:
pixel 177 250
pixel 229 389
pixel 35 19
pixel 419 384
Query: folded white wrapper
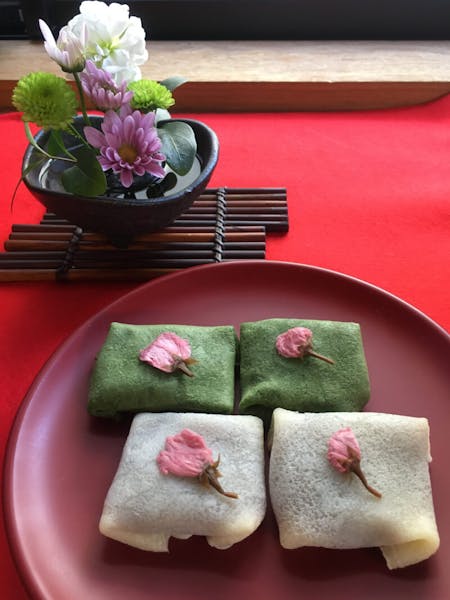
pixel 316 505
pixel 144 508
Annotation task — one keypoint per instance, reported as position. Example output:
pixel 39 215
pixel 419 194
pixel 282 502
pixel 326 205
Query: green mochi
pixel 122 383
pixel 307 384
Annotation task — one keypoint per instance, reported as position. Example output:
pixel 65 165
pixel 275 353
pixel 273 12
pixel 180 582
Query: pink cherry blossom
pixel 297 343
pixel 168 352
pixel 343 449
pixel 128 143
pixel 344 455
pixel 185 454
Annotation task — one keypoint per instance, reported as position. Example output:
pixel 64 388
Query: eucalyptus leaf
pixel 178 144
pixel 171 83
pixel 86 178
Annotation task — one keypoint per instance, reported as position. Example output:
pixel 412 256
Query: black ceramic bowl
pixel 120 218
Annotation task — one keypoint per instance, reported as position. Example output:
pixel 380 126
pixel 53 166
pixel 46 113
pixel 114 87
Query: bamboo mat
pixel 222 224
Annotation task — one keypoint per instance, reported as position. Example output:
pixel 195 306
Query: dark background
pixel 251 19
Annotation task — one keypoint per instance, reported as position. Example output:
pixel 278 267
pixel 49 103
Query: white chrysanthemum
pixel 114 40
pixel 68 51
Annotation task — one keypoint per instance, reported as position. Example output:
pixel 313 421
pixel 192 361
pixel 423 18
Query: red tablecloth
pixel 368 195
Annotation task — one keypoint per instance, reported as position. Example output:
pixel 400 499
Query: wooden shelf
pixel 274 75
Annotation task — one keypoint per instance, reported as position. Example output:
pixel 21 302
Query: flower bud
pixel 344 455
pixel 297 343
pixel 68 51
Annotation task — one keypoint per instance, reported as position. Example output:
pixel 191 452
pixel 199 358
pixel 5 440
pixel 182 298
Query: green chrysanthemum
pixel 45 99
pixel 149 95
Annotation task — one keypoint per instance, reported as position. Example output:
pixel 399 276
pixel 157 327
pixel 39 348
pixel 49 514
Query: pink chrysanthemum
pixel 128 143
pixel 99 86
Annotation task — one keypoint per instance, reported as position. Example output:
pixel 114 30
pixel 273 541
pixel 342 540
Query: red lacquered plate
pixel 60 462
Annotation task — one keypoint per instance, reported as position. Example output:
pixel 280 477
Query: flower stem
pixel 210 475
pixel 321 356
pixel 182 366
pixel 76 134
pixel 82 102
pixel 354 467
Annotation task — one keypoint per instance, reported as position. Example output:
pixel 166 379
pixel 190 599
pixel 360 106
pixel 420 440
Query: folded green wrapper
pixel 269 380
pixel 122 383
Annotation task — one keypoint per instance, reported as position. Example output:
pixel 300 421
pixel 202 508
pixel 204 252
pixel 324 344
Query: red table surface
pixel 368 196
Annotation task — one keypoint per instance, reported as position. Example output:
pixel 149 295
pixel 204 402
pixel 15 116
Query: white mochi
pixel 144 508
pixel 316 505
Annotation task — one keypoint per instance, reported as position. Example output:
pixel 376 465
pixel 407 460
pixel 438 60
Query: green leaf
pixel 171 83
pixel 55 144
pixel 86 178
pixel 33 142
pixel 41 150
pixel 178 144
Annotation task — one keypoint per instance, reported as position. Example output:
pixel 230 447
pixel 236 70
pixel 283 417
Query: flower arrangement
pixel 136 146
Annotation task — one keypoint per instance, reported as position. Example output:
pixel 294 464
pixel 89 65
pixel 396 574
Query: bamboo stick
pixel 272 225
pixel 272 219
pixel 53 228
pixel 42 236
pixel 206 219
pixel 231 209
pixel 50 263
pixel 149 246
pixel 17 275
pixel 99 242
pixel 157 239
pixel 24 256
pixel 253 218
pixel 81 274
pixel 211 201
pixel 63 226
pixel 247 191
pixel 243 249
pixel 247 194
pixel 111 260
pixel 169 258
